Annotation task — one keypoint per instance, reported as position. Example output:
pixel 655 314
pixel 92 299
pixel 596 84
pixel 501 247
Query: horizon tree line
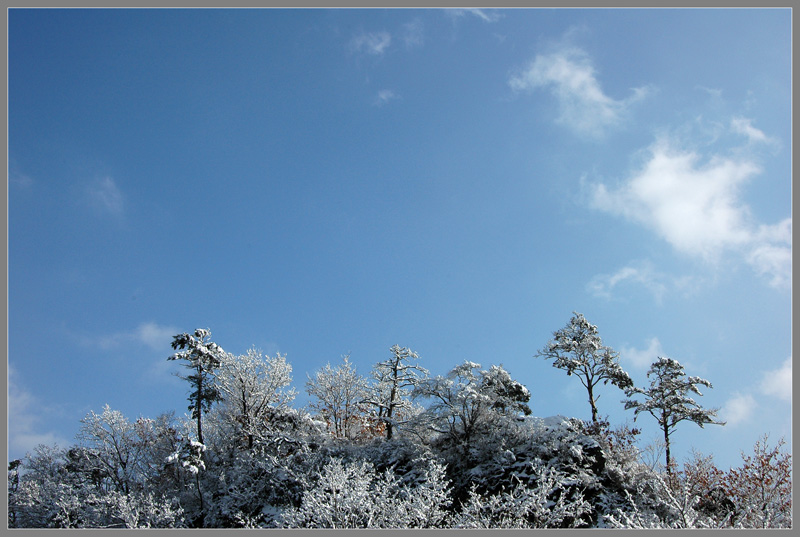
pixel 344 398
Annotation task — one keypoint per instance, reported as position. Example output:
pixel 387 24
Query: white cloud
pixel 571 78
pixel 384 96
pixel 642 358
pixel 105 196
pixel 738 409
pixel 695 206
pixel 371 43
pixel 775 383
pixel 643 274
pixel 778 382
pixel 744 126
pixel 773 262
pixel 24 416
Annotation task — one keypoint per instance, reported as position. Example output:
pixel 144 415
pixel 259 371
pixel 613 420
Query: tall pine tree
pixel 668 400
pixel 202 356
pixel 578 349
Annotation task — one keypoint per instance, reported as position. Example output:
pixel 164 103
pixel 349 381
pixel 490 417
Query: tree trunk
pixel 200 495
pixel 199 404
pixel 390 410
pixel 666 444
pixel 246 423
pixel 591 402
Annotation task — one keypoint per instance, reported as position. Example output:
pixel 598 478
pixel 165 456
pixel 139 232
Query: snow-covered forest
pixel 397 448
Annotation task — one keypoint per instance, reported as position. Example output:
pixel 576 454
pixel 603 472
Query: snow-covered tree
pixel 469 401
pixel 124 455
pixel 113 450
pixel 668 504
pixel 52 494
pixel 13 488
pixel 251 490
pixel 668 400
pixel 203 357
pixel 35 483
pixel 249 385
pixel 475 457
pixel 146 510
pixel 509 396
pixel 340 393
pixel 395 378
pixel 544 504
pixel 354 495
pixel 188 459
pixel 156 439
pixel 578 349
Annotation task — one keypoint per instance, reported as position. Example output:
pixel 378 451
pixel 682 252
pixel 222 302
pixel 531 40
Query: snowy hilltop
pixel 402 450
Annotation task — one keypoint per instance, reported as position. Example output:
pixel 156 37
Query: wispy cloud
pixel 484 15
pixel 642 273
pixel 25 414
pixel 372 43
pixel 149 342
pixel 412 34
pixel 642 358
pixel 713 92
pixel 16 177
pixel 778 382
pixel 771 253
pixel 385 96
pixel 744 126
pixel 155 336
pixel 150 334
pixel 738 409
pixel 774 383
pixel 105 196
pixel 694 204
pixel 571 78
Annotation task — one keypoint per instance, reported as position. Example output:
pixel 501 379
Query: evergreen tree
pixel 577 348
pixel 668 400
pixel 203 356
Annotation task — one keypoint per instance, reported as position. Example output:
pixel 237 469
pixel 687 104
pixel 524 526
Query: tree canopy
pixel 668 399
pixel 578 349
pixel 473 455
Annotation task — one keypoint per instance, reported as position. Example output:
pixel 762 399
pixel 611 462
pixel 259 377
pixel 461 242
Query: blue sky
pixel 329 182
